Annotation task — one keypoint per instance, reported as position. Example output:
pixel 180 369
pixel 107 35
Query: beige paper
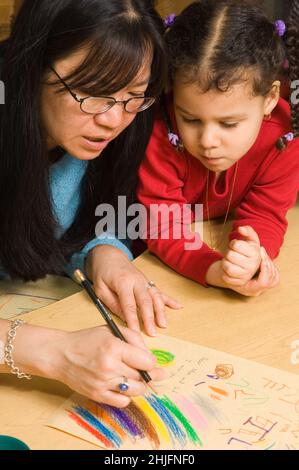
pixel 211 400
pixel 17 297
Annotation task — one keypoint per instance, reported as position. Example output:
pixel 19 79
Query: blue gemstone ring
pixel 123 386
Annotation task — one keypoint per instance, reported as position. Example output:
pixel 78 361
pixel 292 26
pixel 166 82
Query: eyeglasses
pixel 102 104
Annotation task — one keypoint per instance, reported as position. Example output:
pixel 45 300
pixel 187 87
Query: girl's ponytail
pixel 289 33
pixel 291 40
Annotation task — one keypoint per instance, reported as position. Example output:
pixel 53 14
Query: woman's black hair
pixel 218 43
pixel 119 34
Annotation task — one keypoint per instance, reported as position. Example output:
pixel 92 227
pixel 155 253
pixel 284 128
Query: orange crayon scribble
pixel 103 416
pixel 108 420
pixel 215 397
pixel 219 390
pixel 224 371
pixel 92 407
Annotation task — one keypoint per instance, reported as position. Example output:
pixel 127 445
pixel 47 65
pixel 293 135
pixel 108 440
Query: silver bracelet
pixel 9 349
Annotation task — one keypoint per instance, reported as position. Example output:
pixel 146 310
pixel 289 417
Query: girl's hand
pixel 125 290
pixel 268 278
pixel 243 258
pixel 93 363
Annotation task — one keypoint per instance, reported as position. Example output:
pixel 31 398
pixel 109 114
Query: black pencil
pixel 107 317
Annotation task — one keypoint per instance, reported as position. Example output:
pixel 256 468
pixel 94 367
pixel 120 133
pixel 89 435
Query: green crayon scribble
pixel 192 434
pixel 163 357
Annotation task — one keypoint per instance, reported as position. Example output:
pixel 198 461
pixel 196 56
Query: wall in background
pixel 275 8
pixel 165 7
pixel 6 12
pixel 8 8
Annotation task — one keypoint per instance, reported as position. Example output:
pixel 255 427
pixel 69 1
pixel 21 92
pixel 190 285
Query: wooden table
pixel 261 329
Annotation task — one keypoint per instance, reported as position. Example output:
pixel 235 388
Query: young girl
pixel 226 140
pixel 80 77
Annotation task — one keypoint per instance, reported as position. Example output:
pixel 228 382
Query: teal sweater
pixel 66 178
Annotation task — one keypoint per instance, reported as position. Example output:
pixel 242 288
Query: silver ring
pixel 123 386
pixel 151 284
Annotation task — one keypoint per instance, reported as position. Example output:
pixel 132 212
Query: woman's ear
pixel 272 98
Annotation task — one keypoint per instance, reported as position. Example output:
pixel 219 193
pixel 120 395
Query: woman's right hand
pixel 93 363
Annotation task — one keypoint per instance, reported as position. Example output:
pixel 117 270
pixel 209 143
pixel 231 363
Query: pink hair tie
pixel 175 141
pixel 289 137
pixel 280 27
pixel 169 20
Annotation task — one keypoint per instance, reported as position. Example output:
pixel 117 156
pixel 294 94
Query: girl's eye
pixel 190 121
pixel 226 125
pixel 229 125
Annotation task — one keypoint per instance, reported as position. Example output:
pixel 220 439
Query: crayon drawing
pixel 158 420
pixel 164 358
pixel 210 400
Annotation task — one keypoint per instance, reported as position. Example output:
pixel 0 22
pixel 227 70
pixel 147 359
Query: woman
pixel 64 152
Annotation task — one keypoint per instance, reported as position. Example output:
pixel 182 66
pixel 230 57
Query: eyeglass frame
pixel 123 102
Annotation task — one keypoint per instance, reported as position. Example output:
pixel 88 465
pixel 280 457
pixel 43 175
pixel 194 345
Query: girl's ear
pixel 272 98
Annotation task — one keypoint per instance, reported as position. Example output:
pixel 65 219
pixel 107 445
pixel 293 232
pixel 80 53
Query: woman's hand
pixel 93 362
pixel 125 290
pixel 243 259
